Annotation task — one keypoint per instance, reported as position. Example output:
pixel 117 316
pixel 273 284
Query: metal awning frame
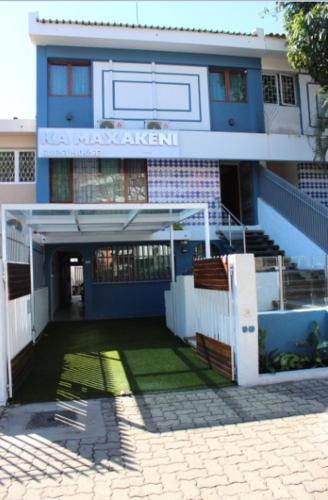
pixel 87 218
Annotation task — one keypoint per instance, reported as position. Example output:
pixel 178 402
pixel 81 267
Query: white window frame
pixel 282 103
pixel 16 166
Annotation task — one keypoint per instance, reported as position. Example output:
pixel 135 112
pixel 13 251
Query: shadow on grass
pixel 95 359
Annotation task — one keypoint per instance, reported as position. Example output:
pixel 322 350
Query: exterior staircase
pixel 258 243
pixel 302 287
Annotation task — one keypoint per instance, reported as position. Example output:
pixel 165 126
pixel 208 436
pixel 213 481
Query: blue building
pixel 138 117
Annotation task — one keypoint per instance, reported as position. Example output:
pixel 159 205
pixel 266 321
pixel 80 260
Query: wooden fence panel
pixel 211 274
pixel 19 280
pixel 215 354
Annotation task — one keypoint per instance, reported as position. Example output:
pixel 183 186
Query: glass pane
pixel 80 80
pixel 7 166
pixel 85 180
pixel 60 181
pixel 217 86
pixel 136 180
pixel 236 85
pixel 112 181
pixel 26 166
pixel 58 79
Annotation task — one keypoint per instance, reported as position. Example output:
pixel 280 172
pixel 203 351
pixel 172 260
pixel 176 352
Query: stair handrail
pixel 287 186
pixel 296 206
pixel 231 217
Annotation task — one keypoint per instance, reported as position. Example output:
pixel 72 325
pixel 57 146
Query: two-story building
pixel 138 127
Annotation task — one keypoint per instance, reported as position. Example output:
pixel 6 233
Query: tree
pixel 306 25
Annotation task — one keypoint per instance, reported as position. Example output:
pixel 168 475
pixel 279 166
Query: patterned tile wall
pixel 185 181
pixel 313 180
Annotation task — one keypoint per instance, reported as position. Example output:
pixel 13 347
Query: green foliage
pixel 266 359
pixel 317 347
pixel 289 361
pixel 273 361
pixel 306 25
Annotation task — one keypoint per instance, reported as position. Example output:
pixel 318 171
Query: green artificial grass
pixel 93 359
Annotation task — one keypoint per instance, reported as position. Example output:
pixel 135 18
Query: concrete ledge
pixel 292 376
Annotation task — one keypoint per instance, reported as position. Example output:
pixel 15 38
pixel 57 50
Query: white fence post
pixel 3 343
pixel 244 318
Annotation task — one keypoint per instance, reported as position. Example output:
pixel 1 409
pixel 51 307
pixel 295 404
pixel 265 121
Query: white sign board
pixel 107 143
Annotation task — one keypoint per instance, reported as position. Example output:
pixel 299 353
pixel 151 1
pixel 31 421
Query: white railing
pixel 19 324
pixel 190 310
pixel 231 227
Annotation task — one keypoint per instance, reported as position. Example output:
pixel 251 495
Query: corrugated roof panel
pixel 152 27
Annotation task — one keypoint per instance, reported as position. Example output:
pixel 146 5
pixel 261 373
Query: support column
pixel 3 343
pixel 172 253
pixel 207 234
pixel 30 237
pixel 5 357
pixel 244 318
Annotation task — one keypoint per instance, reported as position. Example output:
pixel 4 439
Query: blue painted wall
pixel 52 111
pixel 80 109
pixel 287 327
pixel 248 116
pixel 120 300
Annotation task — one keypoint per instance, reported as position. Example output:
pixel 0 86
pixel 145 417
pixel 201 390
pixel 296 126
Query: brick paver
pixel 262 442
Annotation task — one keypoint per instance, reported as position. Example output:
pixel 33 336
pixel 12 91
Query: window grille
pixel 287 85
pixel 7 166
pixel 26 166
pixel 269 85
pixel 133 262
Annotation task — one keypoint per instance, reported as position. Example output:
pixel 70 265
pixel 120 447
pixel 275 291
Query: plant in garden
pixel 265 358
pixel 317 347
pixel 290 361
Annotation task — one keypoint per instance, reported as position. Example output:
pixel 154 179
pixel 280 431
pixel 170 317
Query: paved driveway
pixel 262 442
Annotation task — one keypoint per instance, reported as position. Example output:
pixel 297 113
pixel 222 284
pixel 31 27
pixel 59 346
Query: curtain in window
pixel 136 180
pixel 60 181
pixel 111 186
pixel 58 79
pixel 80 80
pixel 217 86
pixel 236 85
pixel 86 180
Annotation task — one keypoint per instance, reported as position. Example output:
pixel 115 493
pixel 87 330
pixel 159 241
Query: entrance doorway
pixel 236 181
pixel 67 286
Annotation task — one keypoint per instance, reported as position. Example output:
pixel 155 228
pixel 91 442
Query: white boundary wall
pixel 41 301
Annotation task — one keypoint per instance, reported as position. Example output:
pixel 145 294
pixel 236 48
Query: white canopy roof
pixel 55 220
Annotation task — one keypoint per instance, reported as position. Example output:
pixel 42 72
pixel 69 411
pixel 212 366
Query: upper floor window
pixel 279 89
pixel 69 79
pixel 228 85
pixel 17 166
pixel 98 181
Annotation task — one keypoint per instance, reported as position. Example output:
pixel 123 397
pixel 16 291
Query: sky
pixel 17 82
